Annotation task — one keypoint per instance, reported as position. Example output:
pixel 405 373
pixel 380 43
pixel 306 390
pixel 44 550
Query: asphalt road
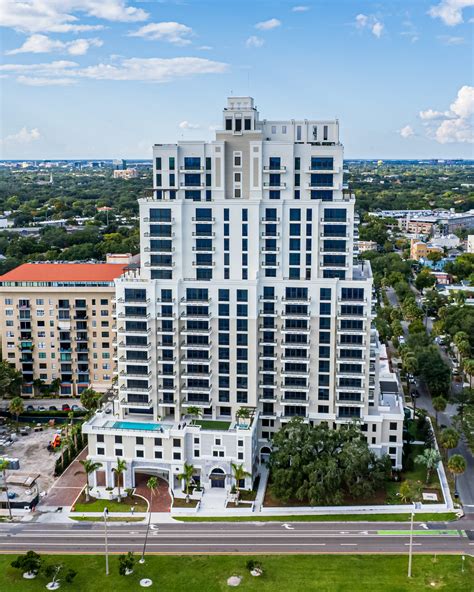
pixel 238 537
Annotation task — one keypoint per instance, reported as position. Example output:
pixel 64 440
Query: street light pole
pixel 410 548
pixel 106 513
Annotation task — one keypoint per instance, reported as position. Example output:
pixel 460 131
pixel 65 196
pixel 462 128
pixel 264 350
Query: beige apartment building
pixel 58 322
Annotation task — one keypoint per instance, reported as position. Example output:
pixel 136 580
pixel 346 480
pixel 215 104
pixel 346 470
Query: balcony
pixel 161 331
pixel 270 220
pixel 195 301
pixel 183 185
pixel 124 402
pixel 124 359
pixel 126 374
pixel 126 315
pixel 163 403
pixel 271 385
pixel 296 315
pixel 195 346
pixel 198 375
pixel 270 236
pixel 292 387
pixel 205 332
pixel 296 300
pixel 191 169
pixel 262 370
pixel 204 249
pixel 271 250
pixel 323 186
pixel 137 346
pixel 302 400
pixel 185 359
pixel 265 328
pixel 195 316
pixel 129 389
pixel 274 265
pixel 272 343
pixel 297 331
pixel 269 185
pixel 203 390
pixel 170 265
pixel 165 315
pixel 123 331
pixel 323 171
pixel 160 251
pixel 279 169
pixel 162 360
pixel 298 360
pixel 129 300
pixel 187 403
pixel 204 234
pixel 272 358
pixel 151 221
pixel 210 220
pixel 165 345
pixel 294 373
pixel 208 265
pixel 267 313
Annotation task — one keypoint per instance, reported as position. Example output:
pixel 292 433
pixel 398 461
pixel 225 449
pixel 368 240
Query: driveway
pixel 68 486
pixel 161 501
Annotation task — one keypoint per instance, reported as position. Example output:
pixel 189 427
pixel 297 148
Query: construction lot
pixel 33 455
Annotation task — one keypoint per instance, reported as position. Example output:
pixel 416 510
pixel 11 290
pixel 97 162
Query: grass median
pixel 292 573
pixel 441 517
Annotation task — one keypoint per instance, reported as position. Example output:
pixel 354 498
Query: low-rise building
pixel 125 174
pixel 420 250
pixel 58 321
pixel 364 246
pixel 470 243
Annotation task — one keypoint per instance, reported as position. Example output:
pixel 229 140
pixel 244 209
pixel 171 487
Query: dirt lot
pixel 34 457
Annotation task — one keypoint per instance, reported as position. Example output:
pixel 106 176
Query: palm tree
pixel 243 413
pixel 119 470
pixel 4 464
pixel 16 407
pixel 38 385
pixel 430 458
pixel 469 369
pixel 239 474
pixel 456 466
pixel 187 477
pixel 195 412
pixel 439 404
pixel 449 439
pixel 89 467
pixel 152 485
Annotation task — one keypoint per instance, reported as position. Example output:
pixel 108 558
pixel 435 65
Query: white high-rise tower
pixel 248 297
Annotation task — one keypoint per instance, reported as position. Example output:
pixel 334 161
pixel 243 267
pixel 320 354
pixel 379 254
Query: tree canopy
pixel 323 466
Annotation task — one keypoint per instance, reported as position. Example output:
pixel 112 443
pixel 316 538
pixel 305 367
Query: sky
pixel 109 78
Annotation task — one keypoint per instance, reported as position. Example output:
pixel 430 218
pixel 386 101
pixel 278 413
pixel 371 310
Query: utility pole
pixel 416 506
pixel 106 513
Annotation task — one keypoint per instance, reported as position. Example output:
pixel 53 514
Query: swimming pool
pixel 136 425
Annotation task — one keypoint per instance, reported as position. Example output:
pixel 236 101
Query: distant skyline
pixel 92 79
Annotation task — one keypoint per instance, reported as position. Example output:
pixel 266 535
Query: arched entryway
pixel 217 478
pixel 265 454
pixel 161 500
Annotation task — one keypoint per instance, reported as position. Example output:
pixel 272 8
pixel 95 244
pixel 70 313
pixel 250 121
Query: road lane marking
pixel 288 527
pixel 348 544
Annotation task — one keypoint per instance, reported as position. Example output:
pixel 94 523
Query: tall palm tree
pixel 195 412
pixel 239 474
pixel 89 467
pixel 187 477
pixel 430 458
pixel 456 465
pixel 449 439
pixel 439 404
pixel 4 464
pixel 16 407
pixel 152 485
pixel 469 369
pixel 119 470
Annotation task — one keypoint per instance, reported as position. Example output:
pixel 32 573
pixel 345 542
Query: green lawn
pixel 288 573
pixel 441 517
pixel 98 505
pixel 109 519
pixel 209 424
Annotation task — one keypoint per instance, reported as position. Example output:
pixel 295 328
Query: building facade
pixel 248 297
pixel 58 321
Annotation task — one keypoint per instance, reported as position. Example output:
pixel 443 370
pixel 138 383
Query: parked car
pixel 52 408
pixel 41 408
pixel 66 407
pixel 30 408
pixel 415 394
pixel 76 408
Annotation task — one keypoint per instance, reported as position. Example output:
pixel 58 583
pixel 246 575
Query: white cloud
pixel 39 43
pixel 300 8
pixel 406 132
pixel 410 31
pixel 137 69
pixel 450 11
pixel 24 136
pixel 58 16
pixel 377 29
pixel 364 21
pixel 172 32
pixel 205 47
pixel 361 21
pixel 431 114
pixel 451 40
pixel 186 125
pixel 254 41
pixel 272 23
pixel 454 125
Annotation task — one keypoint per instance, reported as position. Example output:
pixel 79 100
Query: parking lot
pixel 31 450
